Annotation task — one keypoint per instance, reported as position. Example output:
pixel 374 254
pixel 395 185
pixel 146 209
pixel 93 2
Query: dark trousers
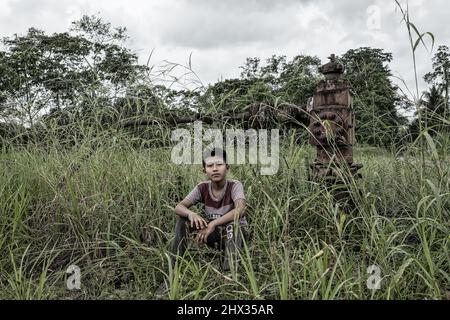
pixel 225 238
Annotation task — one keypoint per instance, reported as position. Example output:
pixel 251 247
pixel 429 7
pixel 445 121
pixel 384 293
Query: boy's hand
pixel 197 221
pixel 203 234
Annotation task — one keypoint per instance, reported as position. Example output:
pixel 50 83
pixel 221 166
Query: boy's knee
pixel 181 228
pixel 182 223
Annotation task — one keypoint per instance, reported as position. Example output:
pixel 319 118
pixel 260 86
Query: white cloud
pixel 221 34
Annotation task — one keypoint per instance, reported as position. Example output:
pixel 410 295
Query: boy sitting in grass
pixel 224 203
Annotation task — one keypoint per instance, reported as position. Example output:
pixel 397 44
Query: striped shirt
pixel 217 207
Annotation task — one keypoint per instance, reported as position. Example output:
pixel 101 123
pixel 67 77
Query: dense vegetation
pixel 78 188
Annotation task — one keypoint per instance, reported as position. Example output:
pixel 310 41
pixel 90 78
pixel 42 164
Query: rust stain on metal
pixel 332 128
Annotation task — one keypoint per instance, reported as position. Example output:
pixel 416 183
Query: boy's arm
pixel 182 209
pixel 235 214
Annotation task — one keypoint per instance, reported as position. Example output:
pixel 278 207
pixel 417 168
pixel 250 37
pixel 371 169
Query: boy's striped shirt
pixel 217 207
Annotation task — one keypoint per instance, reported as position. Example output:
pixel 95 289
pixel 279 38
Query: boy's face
pixel 215 168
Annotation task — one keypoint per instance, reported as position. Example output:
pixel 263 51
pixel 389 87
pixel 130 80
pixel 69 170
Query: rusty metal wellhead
pixel 332 130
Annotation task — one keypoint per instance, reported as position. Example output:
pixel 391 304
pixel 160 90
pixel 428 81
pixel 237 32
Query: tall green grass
pixel 102 197
pixel 109 210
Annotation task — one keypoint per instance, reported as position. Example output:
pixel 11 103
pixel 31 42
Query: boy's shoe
pixel 162 290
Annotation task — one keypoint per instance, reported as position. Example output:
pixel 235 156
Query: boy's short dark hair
pixel 213 153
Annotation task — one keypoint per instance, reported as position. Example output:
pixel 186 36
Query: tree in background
pixel 299 78
pixel 84 67
pixel 439 78
pixel 433 103
pixel 71 75
pixel 291 81
pixel 376 101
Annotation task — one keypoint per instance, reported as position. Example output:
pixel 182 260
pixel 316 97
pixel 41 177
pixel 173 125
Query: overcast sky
pixel 220 34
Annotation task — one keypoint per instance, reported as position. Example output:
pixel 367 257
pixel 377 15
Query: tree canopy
pixel 89 67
